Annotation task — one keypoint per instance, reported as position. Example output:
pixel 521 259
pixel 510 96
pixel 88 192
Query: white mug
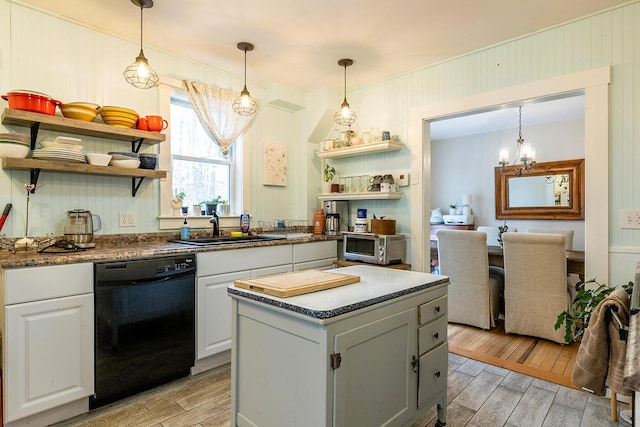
pixel 394 188
pixel 385 187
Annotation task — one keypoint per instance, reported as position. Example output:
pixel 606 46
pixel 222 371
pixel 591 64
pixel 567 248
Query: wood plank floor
pixel 535 357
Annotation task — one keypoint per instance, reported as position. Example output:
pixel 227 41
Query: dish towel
pixel 601 356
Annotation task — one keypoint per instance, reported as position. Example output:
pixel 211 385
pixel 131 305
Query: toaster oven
pixel 374 248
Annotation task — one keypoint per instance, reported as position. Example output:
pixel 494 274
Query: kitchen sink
pixel 226 240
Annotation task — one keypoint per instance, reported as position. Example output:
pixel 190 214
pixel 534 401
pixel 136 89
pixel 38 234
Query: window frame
pixel 168 89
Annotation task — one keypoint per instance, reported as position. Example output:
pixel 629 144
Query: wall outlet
pixel 127 219
pixel 403 179
pixel 630 218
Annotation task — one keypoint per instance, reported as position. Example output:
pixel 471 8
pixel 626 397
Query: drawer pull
pixel 438 309
pixel 414 364
pixel 435 336
pixel 438 374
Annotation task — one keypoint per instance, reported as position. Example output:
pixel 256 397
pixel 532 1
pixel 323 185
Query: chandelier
pixel 525 154
pixel 345 115
pixel 140 74
pixel 244 104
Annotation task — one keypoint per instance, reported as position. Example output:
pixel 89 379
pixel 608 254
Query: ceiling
pixel 299 42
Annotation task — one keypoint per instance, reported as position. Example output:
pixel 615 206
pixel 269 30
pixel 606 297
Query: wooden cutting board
pixel 296 283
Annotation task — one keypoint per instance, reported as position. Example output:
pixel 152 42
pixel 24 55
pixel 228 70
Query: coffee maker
pixel 337 212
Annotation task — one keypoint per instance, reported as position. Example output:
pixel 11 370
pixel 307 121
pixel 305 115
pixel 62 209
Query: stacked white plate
pixel 59 154
pixel 64 142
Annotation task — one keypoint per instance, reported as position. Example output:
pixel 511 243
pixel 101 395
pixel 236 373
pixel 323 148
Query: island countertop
pixel 376 285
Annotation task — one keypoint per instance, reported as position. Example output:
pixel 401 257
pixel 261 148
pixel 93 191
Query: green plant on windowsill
pixel 577 319
pixel 214 201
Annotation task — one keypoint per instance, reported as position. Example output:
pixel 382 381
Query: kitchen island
pixel 368 353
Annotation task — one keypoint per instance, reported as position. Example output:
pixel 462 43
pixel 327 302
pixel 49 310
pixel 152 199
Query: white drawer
pixel 433 373
pixel 304 252
pixel 432 310
pixel 432 334
pixel 50 281
pixel 220 262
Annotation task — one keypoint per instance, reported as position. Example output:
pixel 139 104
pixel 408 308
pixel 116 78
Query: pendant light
pixel 244 104
pixel 345 115
pixel 140 74
pixel 525 154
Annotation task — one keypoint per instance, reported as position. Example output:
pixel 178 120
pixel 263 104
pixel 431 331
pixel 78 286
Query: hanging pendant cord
pixel 520 124
pixel 245 67
pixel 345 82
pixel 140 27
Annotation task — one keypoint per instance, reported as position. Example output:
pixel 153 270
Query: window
pixel 200 170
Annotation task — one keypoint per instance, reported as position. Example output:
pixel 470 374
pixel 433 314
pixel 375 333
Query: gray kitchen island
pixel 365 354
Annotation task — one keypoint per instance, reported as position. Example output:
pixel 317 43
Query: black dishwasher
pixel 144 324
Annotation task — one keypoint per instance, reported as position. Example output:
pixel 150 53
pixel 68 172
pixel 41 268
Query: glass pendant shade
pixel 345 116
pixel 244 104
pixel 525 153
pixel 140 74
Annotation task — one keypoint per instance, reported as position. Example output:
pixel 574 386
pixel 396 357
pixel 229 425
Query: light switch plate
pixel 403 179
pixel 630 218
pixel 127 219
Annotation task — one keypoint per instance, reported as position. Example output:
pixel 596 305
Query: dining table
pixel 575 259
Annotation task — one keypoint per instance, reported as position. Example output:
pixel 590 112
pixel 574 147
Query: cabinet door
pixel 214 313
pixel 375 384
pixel 321 264
pixel 50 355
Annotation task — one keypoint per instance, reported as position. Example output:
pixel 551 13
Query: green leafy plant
pixel 181 195
pixel 453 206
pixel 329 172
pixel 576 320
pixel 214 201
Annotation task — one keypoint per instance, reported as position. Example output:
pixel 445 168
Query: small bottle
pixel 185 233
pixel 244 222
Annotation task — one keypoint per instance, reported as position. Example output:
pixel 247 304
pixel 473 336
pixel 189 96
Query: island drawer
pixel 432 310
pixel 432 334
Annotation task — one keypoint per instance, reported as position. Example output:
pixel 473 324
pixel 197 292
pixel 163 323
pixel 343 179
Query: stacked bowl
pixel 14 145
pixel 85 111
pixel 118 116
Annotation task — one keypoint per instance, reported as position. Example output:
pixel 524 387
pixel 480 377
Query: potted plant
pixel 576 320
pixel 223 208
pixel 211 205
pixel 452 209
pixel 197 209
pixel 329 174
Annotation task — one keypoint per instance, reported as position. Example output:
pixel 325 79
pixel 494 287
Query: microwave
pixel 374 248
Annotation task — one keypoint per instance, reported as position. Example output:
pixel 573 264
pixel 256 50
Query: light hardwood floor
pixel 479 395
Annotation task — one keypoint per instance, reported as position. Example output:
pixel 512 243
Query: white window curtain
pixel 213 106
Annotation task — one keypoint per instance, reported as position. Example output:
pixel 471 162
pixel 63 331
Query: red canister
pixel 319 219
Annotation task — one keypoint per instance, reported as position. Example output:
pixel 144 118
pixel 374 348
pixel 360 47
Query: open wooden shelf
pixel 83 168
pixel 359 150
pixel 78 127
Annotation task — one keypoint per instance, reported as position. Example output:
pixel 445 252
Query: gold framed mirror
pixel 551 191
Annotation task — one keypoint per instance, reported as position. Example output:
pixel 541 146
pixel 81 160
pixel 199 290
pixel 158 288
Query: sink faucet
pixel 215 220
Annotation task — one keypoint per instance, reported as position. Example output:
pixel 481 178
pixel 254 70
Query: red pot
pixel 31 101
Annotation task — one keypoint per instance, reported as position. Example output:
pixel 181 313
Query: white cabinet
pixel 390 343
pixel 216 271
pixel 358 368
pixel 214 313
pixel 47 338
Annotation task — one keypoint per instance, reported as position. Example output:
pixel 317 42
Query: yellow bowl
pixel 120 122
pixel 126 111
pixel 84 111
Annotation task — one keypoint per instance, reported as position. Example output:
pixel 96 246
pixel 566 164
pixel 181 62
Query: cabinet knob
pixel 435 336
pixel 438 374
pixel 438 309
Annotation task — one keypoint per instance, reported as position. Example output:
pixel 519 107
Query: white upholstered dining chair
pixel 473 297
pixel 567 232
pixel 535 288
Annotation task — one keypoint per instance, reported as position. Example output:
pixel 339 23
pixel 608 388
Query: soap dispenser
pixel 185 232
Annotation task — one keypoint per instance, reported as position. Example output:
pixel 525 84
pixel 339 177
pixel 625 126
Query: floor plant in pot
pixel 576 320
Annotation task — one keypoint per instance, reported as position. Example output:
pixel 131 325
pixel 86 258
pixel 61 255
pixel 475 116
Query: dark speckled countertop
pixel 127 246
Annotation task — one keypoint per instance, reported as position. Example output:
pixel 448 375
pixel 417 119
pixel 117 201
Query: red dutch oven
pixel 31 101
